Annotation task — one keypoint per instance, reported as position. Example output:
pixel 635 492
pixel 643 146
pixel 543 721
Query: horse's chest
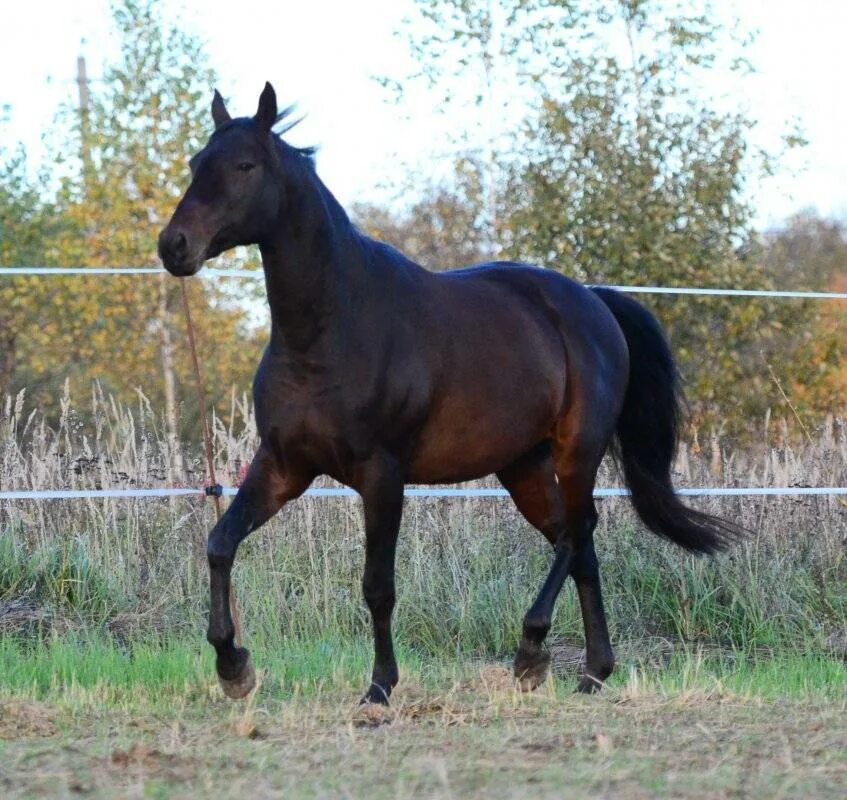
pixel 335 420
pixel 294 417
pixel 307 425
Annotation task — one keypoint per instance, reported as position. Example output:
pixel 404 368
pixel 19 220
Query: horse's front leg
pixel 381 485
pixel 264 491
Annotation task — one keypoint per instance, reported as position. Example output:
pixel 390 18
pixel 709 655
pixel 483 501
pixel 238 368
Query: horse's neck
pixel 311 263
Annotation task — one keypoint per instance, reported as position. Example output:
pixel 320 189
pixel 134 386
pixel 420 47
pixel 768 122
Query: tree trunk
pixel 8 353
pixel 175 465
pixel 490 52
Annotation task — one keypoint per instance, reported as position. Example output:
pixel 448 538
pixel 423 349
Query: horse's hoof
pixel 531 669
pixel 375 695
pixel 588 684
pixel 238 688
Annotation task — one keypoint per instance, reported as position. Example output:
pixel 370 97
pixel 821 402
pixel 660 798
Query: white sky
pixel 323 54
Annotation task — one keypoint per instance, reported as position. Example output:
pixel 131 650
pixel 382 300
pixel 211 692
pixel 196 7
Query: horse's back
pixel 584 324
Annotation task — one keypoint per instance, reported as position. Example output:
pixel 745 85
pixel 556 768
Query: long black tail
pixel 648 431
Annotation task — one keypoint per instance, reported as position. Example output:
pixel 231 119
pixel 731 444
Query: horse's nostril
pixel 173 247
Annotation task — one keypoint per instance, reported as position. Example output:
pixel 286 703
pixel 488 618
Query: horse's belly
pixel 466 438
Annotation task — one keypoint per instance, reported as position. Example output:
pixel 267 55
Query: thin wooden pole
pixel 213 489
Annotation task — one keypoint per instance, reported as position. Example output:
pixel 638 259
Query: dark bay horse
pixel 379 373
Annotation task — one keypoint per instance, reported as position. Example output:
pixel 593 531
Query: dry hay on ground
pixel 495 682
pixel 141 759
pixel 24 719
pixel 481 738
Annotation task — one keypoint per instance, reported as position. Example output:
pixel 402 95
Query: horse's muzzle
pixel 177 256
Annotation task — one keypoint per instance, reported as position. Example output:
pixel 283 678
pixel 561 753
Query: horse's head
pixel 234 193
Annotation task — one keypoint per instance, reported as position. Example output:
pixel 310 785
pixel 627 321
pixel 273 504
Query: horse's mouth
pixel 183 267
pixel 214 250
pixel 190 264
pixel 225 239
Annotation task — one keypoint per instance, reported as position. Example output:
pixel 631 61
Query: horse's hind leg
pixel 531 482
pixel 599 657
pixel 260 496
pixel 554 491
pixel 579 443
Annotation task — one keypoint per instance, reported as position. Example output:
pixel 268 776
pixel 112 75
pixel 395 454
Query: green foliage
pixel 122 170
pixel 808 352
pixel 63 579
pixel 441 229
pixel 808 253
pixel 26 222
pixel 627 178
pixel 164 674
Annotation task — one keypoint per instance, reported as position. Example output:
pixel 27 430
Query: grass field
pixel 731 679
pixel 87 718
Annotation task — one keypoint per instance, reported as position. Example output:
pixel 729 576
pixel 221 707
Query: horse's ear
pixel 219 113
pixel 266 113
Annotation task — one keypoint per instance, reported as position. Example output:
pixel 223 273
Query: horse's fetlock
pixel 535 628
pixel 602 668
pixel 386 675
pixel 218 635
pixel 233 663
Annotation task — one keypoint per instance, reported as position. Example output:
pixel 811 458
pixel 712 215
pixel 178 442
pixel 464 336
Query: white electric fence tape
pixel 256 274
pixel 742 491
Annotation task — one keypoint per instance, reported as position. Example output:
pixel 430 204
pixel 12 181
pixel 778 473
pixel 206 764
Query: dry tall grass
pixel 467 568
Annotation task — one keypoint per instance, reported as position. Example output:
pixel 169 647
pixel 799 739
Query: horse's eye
pixel 246 166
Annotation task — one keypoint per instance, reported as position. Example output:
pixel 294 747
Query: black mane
pixel 284 116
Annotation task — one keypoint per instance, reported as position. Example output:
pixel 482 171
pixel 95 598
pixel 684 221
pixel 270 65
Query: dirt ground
pixel 480 739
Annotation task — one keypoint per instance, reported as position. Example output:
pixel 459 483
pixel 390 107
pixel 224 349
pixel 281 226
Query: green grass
pixel 168 669
pixel 775 676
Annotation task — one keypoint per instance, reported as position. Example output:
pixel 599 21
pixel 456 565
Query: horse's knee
pixel 378 590
pixel 228 533
pixel 379 597
pixel 220 546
